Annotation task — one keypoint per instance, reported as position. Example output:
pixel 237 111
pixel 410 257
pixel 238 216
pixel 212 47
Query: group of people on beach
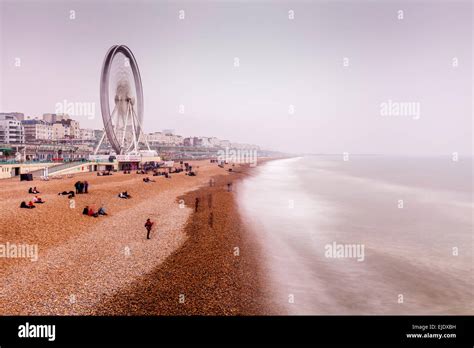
pixel 81 187
pixel 33 190
pixel 89 211
pixel 163 171
pixel 36 199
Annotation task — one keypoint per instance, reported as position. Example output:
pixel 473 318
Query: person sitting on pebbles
pixel 26 206
pixel 33 190
pixel 92 213
pixel 38 200
pixel 124 195
pixel 101 211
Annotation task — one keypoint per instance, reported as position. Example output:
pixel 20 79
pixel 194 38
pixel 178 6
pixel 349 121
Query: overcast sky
pixel 424 59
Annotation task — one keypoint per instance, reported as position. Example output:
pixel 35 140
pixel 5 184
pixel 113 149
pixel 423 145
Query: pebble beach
pixel 195 262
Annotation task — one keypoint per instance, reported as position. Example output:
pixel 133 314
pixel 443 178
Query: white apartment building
pixel 240 146
pixel 155 138
pixel 87 134
pixel 214 142
pixel 74 128
pixel 225 143
pixel 37 130
pixel 18 115
pixel 168 139
pixel 11 130
pixel 60 131
pixel 66 129
pixel 205 142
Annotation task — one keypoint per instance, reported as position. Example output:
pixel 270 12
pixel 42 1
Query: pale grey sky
pixel 283 62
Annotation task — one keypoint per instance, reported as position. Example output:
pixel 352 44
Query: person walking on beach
pixel 211 219
pixel 148 226
pixel 86 186
pixel 209 201
pixel 196 205
pixel 229 187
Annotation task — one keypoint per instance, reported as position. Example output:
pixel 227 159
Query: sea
pixel 370 234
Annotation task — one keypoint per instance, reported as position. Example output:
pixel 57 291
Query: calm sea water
pixel 417 253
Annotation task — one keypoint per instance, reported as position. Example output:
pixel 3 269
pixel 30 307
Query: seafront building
pixel 37 130
pixel 66 129
pixel 165 138
pixel 18 115
pixel 87 134
pixel 11 129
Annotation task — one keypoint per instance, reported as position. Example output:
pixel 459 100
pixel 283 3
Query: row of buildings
pixel 16 129
pixel 167 138
pixel 57 129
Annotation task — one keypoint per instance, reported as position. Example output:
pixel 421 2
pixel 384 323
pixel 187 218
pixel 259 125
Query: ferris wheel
pixel 121 101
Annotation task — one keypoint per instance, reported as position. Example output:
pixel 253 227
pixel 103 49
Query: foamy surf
pixel 415 238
